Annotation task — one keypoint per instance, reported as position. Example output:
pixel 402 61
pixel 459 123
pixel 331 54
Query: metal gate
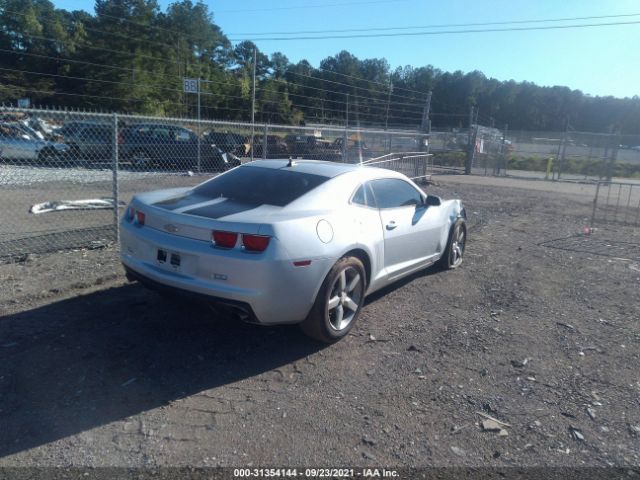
pixel 616 203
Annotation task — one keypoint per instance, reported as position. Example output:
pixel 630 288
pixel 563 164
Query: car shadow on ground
pixel 86 361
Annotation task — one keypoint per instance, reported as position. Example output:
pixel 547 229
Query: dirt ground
pixel 538 329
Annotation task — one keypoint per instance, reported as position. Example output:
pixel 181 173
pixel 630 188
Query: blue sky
pixel 598 60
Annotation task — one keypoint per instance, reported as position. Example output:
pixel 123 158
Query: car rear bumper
pixel 267 288
pixel 240 309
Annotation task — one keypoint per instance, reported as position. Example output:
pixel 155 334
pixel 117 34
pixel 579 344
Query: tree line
pixel 130 56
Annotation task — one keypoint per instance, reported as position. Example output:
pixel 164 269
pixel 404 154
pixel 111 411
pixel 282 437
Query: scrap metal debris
pixel 576 434
pixel 88 204
pixel 492 424
pixel 520 364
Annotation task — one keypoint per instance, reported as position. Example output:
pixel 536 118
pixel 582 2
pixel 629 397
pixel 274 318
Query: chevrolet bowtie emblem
pixel 169 227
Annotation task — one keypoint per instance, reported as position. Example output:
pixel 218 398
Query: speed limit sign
pixel 191 85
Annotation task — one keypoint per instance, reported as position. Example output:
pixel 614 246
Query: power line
pixel 104 65
pixel 445 25
pixel 448 32
pixel 371 99
pixel 136 100
pixel 137 55
pixel 132 84
pixel 263 101
pixel 178 76
pixel 344 103
pixel 297 7
pixel 342 112
pixel 74 23
pixel 345 84
pixel 288 83
pixel 370 81
pixel 156 27
pixel 133 55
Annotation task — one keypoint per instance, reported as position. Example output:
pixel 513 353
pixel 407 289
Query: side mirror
pixel 432 201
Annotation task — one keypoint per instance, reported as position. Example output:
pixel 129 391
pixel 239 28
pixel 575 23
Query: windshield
pixel 258 185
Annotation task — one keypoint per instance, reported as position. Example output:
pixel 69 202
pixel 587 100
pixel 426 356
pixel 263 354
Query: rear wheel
pixel 338 303
pixel 453 254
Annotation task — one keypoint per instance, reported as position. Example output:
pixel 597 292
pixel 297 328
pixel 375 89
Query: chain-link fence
pixel 40 173
pixel 569 156
pixel 66 176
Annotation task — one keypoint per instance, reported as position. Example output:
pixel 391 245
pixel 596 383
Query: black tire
pixel 323 322
pixel 47 157
pixel 454 252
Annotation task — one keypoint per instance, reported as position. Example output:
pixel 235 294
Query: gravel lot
pixel 96 371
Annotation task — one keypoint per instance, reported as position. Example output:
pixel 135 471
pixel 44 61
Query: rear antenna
pixel 291 162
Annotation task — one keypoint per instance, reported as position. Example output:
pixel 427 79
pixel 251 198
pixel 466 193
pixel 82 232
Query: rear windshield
pixel 258 185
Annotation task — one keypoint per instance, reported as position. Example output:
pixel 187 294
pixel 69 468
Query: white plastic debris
pixel 60 205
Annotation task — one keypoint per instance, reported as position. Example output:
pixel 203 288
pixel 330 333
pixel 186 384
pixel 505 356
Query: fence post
pixel 264 141
pixel 471 146
pixel 595 206
pixel 115 186
pixel 503 151
pixel 199 132
pixel 612 145
pixel 344 145
pixel 561 151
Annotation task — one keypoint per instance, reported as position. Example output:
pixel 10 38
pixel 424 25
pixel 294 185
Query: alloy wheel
pixel 457 246
pixel 345 298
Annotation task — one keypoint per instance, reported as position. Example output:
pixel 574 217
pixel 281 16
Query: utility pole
pixel 386 120
pixel 346 122
pixel 346 127
pixel 253 104
pixel 425 125
pixel 471 140
pixel 471 115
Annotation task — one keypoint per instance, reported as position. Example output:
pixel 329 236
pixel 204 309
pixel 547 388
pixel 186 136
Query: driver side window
pixel 394 193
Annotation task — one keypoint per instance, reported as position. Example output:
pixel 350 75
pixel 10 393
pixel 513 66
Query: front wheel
pixel 338 303
pixel 452 256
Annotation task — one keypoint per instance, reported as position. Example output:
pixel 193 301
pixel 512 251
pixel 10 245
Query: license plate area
pixel 163 257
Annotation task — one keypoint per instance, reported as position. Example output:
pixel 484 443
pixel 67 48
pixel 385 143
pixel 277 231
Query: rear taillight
pixel 249 242
pixel 134 216
pixel 131 213
pixel 224 239
pixel 255 243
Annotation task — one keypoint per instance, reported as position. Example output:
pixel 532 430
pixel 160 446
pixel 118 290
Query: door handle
pixel 391 225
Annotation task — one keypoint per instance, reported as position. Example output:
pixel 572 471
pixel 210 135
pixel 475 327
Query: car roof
pixel 324 168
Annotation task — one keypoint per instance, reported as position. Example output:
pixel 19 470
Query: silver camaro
pixel 277 241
